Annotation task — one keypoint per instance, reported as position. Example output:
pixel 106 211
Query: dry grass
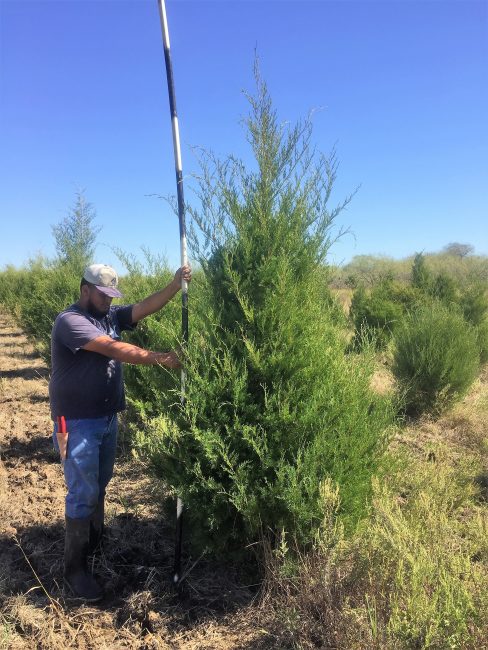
pixel 344 297
pixel 415 576
pixel 382 381
pixel 462 430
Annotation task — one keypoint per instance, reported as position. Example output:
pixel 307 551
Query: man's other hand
pixel 168 359
pixel 184 273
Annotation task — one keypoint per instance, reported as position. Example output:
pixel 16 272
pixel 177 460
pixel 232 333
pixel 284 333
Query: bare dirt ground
pixel 141 610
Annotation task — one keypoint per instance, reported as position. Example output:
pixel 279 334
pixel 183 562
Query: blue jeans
pixel 89 462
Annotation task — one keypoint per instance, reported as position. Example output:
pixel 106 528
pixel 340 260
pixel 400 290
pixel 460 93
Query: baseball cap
pixel 104 278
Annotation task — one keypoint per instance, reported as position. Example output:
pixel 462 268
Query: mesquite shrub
pixel 274 407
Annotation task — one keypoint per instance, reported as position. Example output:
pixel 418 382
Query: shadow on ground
pixel 25 373
pixel 135 568
pixel 482 482
pixel 17 354
pixel 39 448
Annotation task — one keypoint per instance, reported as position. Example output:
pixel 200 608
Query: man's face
pixel 98 304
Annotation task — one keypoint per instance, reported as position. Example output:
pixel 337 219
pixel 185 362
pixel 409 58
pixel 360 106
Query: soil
pixel 214 608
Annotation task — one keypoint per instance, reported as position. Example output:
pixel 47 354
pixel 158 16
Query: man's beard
pixel 96 313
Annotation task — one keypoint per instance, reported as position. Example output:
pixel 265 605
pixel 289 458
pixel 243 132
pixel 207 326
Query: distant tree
pixel 458 250
pixel 75 236
pixel 369 269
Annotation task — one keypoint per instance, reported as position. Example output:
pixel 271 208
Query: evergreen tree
pixel 275 409
pixel 421 276
pixel 75 235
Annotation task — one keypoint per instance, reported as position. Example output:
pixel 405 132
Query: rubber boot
pixel 96 527
pixel 81 583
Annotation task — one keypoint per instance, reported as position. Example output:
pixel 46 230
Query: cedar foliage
pixel 436 358
pixel 76 235
pixel 274 407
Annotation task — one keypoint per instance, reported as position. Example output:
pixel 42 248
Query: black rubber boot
pixel 81 583
pixel 96 527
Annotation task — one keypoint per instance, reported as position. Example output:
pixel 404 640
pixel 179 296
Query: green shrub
pixel 474 303
pixel 379 311
pixel 149 388
pixel 51 290
pixel 372 317
pixel 274 407
pixel 435 358
pixel 421 275
pixel 440 286
pixel 482 337
pixel 474 306
pixel 406 296
pixel 444 288
pixel 12 286
pixel 35 295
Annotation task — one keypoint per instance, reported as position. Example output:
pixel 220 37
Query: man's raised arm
pixel 131 353
pixel 158 300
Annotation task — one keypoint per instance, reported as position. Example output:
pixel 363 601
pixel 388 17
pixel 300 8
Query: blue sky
pixel 403 88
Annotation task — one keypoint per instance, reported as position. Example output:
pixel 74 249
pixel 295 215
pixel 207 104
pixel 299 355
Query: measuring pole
pixel 184 259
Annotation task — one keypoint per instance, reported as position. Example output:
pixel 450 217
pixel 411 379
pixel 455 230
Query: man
pixel 86 392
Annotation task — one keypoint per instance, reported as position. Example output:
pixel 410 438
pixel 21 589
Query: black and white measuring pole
pixel 184 259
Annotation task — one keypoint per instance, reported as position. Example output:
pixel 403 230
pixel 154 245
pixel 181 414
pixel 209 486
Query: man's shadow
pixel 36 447
pixel 31 372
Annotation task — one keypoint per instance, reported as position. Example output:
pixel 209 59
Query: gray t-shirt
pixel 86 384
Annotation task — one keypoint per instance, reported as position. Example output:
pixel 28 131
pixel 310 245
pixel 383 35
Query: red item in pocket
pixel 62 436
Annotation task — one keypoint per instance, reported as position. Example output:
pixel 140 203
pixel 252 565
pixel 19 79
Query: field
pixel 217 607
